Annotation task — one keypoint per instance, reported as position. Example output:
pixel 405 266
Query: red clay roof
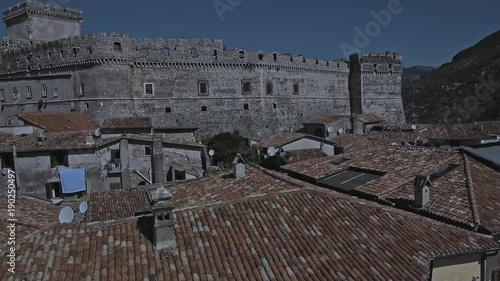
pixel 117 204
pixel 326 119
pixel 305 234
pixel 281 138
pixel 128 123
pixel 369 118
pixel 32 215
pixel 454 197
pixel 60 122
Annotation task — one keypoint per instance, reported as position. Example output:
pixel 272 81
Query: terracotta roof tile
pixel 326 119
pixel 369 118
pixel 299 235
pixel 462 196
pixel 118 204
pixel 281 138
pixel 32 215
pixel 60 122
pixel 127 123
pixel 51 141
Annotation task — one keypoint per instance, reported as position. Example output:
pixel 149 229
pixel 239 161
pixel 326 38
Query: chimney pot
pixel 422 190
pixel 162 207
pixel 240 171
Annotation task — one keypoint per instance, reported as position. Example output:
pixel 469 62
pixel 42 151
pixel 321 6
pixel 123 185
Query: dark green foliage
pixel 465 90
pixel 227 145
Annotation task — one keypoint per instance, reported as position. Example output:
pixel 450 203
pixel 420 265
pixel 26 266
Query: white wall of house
pixel 460 268
pixel 306 143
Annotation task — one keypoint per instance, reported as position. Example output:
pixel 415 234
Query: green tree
pixel 227 145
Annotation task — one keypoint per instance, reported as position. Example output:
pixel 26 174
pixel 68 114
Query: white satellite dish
pixel 331 130
pixel 413 127
pixel 341 131
pixel 84 206
pixel 66 215
pixel 211 152
pixel 97 132
pixel 271 151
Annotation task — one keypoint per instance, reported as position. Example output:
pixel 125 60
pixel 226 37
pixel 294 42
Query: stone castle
pixel 47 65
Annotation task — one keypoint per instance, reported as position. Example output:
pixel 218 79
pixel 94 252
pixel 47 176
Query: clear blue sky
pixel 425 32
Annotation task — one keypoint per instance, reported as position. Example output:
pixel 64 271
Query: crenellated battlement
pixel 115 46
pixel 34 8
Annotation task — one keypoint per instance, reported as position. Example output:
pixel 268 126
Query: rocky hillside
pixel 415 72
pixel 464 90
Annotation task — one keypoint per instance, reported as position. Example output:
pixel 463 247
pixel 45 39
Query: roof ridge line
pixel 470 189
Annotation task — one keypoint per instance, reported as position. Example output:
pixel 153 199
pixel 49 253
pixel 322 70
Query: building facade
pixel 46 65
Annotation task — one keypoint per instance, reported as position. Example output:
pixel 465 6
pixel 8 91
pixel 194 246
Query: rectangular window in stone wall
pixel 269 88
pixel 82 89
pixel 149 88
pixel 56 92
pixel 246 87
pixel 44 90
pixel 203 88
pixel 295 88
pixel 2 94
pixel 15 94
pixel 29 95
pixel 168 109
pixel 147 151
pixel 204 108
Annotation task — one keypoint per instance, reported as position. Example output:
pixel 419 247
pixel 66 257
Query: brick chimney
pixel 422 190
pixel 162 207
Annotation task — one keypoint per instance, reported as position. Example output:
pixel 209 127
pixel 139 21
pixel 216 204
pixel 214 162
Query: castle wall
pixel 114 69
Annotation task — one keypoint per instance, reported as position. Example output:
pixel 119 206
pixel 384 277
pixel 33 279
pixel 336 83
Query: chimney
pixel 422 190
pixel 240 171
pixel 89 139
pixel 40 139
pixel 162 207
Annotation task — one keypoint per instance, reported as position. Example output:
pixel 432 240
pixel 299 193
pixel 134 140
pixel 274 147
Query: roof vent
pixel 422 190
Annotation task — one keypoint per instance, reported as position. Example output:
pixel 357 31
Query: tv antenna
pixel 84 206
pixel 97 132
pixel 66 215
pixel 271 151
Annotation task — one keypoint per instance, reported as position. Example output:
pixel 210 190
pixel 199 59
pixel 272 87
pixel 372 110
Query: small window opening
pixel 29 95
pixel 87 106
pixel 204 108
pixel 242 54
pixel 82 89
pixel 261 57
pixel 76 50
pixel 62 54
pixel 246 87
pixel 149 88
pixel 44 90
pixel 275 56
pixel 275 105
pixel 117 46
pixel 147 151
pixel 203 88
pixel 269 88
pixel 215 53
pixel 296 88
pixel 56 93
pixel 246 106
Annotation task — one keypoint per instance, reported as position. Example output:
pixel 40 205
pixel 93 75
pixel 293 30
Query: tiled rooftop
pixel 281 138
pixel 467 131
pixel 32 215
pixel 369 118
pixel 305 154
pixel 305 234
pixel 454 197
pixel 326 119
pixel 52 141
pixel 60 122
pixel 217 189
pixel 117 204
pixel 127 123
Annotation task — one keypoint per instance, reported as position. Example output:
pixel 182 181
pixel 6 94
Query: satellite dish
pixel 66 215
pixel 271 151
pixel 413 127
pixel 341 131
pixel 84 206
pixel 331 130
pixel 211 152
pixel 97 132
